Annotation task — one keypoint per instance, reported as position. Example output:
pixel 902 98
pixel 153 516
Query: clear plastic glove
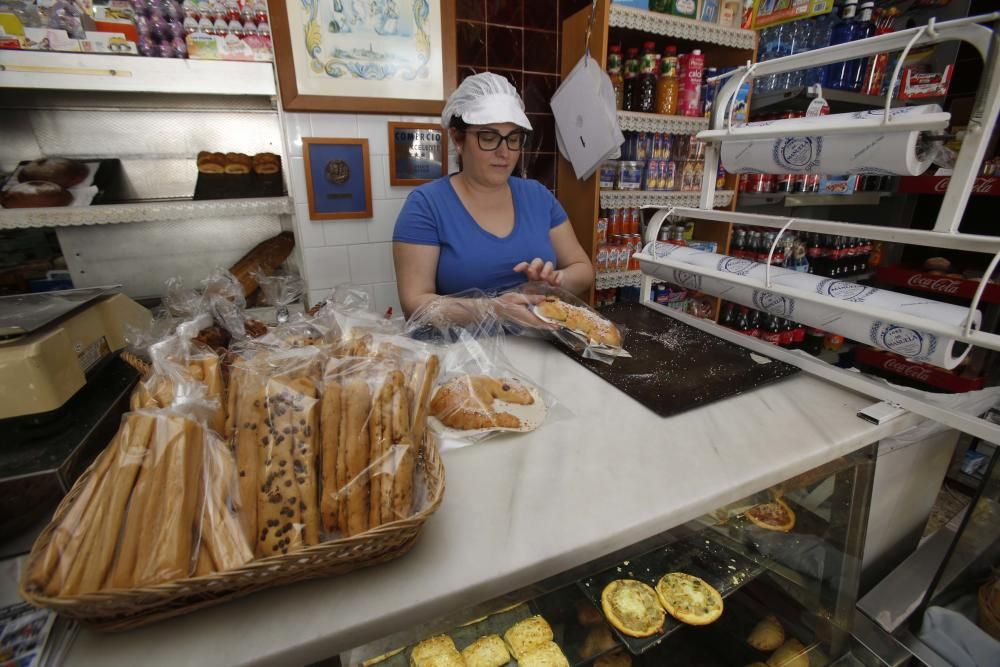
pixel 515 308
pixel 538 271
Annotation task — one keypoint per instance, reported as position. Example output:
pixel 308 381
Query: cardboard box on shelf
pixel 108 42
pixel 202 46
pixel 45 39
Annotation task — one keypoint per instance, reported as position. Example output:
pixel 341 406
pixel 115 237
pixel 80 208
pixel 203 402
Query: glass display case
pixel 790 553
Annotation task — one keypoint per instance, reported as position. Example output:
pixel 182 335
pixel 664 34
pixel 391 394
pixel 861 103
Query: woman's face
pixel 491 167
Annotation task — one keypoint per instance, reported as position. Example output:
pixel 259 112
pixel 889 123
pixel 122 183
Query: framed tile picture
pixel 338 178
pixel 367 56
pixel 418 153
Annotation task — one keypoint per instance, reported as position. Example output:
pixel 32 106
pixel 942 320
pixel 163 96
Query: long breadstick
pixel 330 417
pixel 342 465
pixel 376 437
pixel 304 419
pixel 422 399
pixel 356 456
pixel 400 430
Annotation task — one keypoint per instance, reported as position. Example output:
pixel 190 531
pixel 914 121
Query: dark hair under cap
pixel 458 123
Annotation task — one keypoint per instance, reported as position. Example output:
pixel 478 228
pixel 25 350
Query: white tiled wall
pixel 359 252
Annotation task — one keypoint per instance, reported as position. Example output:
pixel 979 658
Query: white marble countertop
pixel 519 509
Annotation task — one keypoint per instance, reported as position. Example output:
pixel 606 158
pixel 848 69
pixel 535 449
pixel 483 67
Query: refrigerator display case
pixel 804 577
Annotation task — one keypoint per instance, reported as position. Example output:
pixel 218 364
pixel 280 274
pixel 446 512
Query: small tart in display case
pixel 775 515
pixel 689 599
pixel 632 607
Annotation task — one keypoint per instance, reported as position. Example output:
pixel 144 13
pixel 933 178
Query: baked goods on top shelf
pixel 598 330
pixel 467 402
pixel 488 651
pixel 689 599
pixel 526 635
pixel 767 635
pixel 238 163
pixel 547 654
pixel 211 163
pixel 61 171
pixel 775 515
pixel 266 163
pixel 35 194
pixel 632 607
pixel 437 651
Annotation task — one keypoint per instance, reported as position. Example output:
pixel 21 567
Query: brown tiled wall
pixel 519 39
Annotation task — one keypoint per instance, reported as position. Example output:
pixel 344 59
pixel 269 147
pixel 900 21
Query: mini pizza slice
pixel 689 599
pixel 631 606
pixel 775 515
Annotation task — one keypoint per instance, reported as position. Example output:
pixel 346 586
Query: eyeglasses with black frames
pixel 489 140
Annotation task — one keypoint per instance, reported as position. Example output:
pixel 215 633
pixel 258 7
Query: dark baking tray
pixel 675 367
pixel 238 186
pixel 107 177
pixel 721 567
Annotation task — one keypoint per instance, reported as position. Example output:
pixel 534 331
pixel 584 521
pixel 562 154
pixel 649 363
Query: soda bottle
pixel 755 323
pixel 615 73
pixel 863 28
pixel 646 100
pixel 728 316
pixel 666 85
pixel 814 253
pixel 739 240
pixel 839 75
pixel 772 330
pixel 787 333
pixel 813 341
pixel 798 336
pixel 822 27
pixel 631 80
pixel 742 324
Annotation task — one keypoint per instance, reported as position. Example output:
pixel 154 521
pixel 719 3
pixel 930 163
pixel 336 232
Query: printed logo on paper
pixel 798 153
pixel 774 304
pixel 687 279
pixel 738 265
pixel 903 340
pixel 845 291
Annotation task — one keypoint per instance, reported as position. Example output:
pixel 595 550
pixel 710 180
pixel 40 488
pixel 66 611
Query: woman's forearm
pixel 577 278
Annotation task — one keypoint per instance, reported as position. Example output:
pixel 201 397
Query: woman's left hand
pixel 537 270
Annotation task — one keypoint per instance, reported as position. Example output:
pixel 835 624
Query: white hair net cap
pixel 485 98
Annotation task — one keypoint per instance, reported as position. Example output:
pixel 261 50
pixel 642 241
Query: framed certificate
pixel 418 153
pixel 364 56
pixel 338 178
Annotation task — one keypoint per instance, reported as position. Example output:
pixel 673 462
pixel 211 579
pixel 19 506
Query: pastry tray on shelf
pixel 238 186
pixel 722 568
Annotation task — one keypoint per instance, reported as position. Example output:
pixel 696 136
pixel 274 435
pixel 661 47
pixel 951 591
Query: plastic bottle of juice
pixel 615 73
pixel 666 85
pixel 646 101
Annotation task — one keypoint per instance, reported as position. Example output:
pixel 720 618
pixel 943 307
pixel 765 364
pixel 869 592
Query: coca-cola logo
pixel 981 185
pixel 845 291
pixel 907 370
pixel 935 284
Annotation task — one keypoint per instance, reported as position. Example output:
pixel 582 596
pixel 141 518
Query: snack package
pixel 575 324
pixel 480 393
pixel 280 291
pixel 185 372
pixel 154 507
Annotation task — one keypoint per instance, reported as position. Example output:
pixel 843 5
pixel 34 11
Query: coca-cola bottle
pixel 755 324
pixel 772 330
pixel 738 246
pixel 728 316
pixel 787 332
pixel 798 336
pixel 814 253
pixel 742 322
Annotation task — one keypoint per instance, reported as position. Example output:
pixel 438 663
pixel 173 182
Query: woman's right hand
pixel 517 307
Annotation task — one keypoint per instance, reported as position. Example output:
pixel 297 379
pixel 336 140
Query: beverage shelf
pixel 937 185
pixel 134 74
pixel 142 211
pixel 681 28
pixel 627 198
pixel 653 122
pixel 618 279
pixel 899 276
pixel 748 199
pixel 840 101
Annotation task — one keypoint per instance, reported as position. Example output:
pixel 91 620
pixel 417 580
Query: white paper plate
pixel 531 416
pixel 599 348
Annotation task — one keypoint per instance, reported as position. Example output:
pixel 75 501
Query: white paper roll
pixel 882 333
pixel 889 153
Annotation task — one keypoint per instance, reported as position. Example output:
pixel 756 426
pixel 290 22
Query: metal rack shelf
pixel 134 74
pixel 840 101
pixel 654 122
pixel 810 199
pixel 673 26
pixel 625 198
pixel 142 211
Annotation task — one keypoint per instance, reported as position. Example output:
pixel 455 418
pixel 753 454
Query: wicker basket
pixel 117 610
pixel 989 607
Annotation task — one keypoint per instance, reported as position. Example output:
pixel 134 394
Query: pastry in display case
pixel 767 580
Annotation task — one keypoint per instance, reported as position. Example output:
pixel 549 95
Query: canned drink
pixel 642 148
pixel 602 258
pixel 696 149
pixel 682 144
pixel 623 256
pixel 670 175
pixel 769 182
pixel 667 147
pixel 784 182
pixel 649 180
pixel 615 222
pixel 602 230
pixel 657 146
pixel 633 223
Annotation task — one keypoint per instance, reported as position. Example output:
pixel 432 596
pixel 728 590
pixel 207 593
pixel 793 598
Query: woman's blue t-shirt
pixel 472 257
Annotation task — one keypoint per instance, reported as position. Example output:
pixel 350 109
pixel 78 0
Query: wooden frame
pixel 293 100
pixel 394 178
pixel 308 143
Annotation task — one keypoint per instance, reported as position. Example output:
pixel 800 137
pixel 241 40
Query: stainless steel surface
pixel 141 256
pixel 907 478
pixel 30 312
pixel 879 645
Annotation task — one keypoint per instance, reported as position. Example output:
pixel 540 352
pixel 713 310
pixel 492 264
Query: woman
pixel 482 228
